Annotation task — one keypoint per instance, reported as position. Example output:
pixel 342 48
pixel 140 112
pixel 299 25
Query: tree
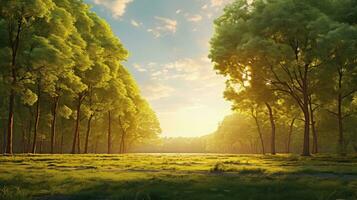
pixel 276 39
pixel 63 57
pixel 340 43
pixel 17 17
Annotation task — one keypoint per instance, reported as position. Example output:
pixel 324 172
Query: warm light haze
pixel 178 99
pixel 171 43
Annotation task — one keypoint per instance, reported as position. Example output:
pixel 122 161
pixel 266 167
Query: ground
pixel 177 176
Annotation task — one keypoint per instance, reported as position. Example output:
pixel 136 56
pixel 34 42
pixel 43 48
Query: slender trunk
pixel 61 145
pixel 23 138
pixel 37 118
pixel 122 142
pixel 289 135
pixel 109 133
pixel 76 130
pixel 40 146
pixel 53 123
pixel 29 131
pixel 306 144
pixel 10 124
pixel 88 133
pixel 272 124
pixel 340 127
pixel 341 145
pixel 305 106
pixel 259 132
pixel 121 149
pixel 14 50
pixel 96 145
pixel 4 142
pixel 79 141
pixel 313 129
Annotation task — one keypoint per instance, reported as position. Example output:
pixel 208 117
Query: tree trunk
pixel 61 145
pixel 53 123
pixel 109 133
pixel 306 144
pixel 305 109
pixel 341 142
pixel 290 133
pixel 88 133
pixel 313 129
pixel 341 145
pixel 259 131
pixel 122 140
pixel 3 149
pixel 41 146
pixel 23 137
pixel 37 118
pixel 76 129
pixel 29 131
pixel 14 50
pixel 79 141
pixel 272 124
pixel 10 124
pixel 96 145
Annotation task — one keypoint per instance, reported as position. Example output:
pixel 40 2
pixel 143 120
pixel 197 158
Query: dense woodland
pixel 292 67
pixel 63 87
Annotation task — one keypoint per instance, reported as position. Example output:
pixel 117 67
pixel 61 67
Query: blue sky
pixel 168 41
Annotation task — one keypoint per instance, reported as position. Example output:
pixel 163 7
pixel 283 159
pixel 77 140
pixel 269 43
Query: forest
pixel 292 67
pixel 78 122
pixel 63 85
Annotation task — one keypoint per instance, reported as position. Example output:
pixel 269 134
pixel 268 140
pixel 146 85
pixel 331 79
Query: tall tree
pixel 340 85
pixel 18 17
pixel 278 41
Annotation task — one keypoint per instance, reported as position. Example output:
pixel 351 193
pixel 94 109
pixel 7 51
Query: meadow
pixel 177 176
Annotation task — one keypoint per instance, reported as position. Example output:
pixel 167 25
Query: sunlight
pixel 178 99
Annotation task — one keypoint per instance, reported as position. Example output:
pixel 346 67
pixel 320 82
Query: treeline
pixel 238 134
pixel 63 87
pixel 291 65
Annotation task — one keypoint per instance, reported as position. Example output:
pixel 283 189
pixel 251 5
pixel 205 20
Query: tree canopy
pixel 61 71
pixel 274 52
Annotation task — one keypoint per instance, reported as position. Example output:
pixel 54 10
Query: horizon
pixel 170 63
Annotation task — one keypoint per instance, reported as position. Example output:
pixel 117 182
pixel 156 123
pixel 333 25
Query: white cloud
pixel 168 24
pixel 194 18
pixel 186 69
pixel 178 11
pixel 139 68
pixel 156 91
pixel 164 26
pixel 135 23
pixel 117 7
pixel 217 3
pixel 155 32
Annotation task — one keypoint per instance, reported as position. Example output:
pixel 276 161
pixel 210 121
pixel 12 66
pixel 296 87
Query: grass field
pixel 177 176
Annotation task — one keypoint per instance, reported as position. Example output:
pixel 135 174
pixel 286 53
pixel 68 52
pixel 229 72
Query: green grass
pixel 177 176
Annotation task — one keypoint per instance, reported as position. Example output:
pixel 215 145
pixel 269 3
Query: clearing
pixel 177 176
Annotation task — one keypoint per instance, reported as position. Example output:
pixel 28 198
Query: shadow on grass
pixel 187 187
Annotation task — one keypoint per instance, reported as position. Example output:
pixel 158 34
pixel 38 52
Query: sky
pixel 168 41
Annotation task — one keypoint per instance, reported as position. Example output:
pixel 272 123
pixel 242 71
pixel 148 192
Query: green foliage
pixel 57 54
pixel 296 56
